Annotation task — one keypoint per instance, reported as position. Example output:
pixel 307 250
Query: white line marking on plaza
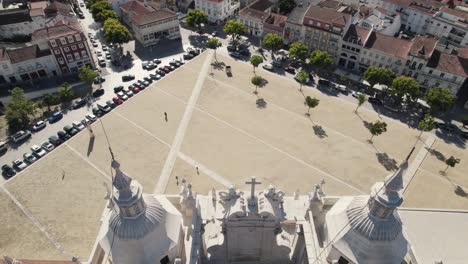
pixel 180 134
pixel 106 176
pixel 36 222
pixel 213 175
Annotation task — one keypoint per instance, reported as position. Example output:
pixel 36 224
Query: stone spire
pixel 386 196
pixel 121 181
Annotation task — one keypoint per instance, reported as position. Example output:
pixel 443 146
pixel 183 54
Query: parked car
pixel 91 117
pixel 150 66
pixel 55 140
pixel 235 54
pixel 171 67
pixel 38 151
pixel 19 165
pixel 29 158
pixel 39 125
pixel 79 103
pixel 136 90
pixel 98 93
pixel 111 104
pixel 129 93
pixel 104 107
pixel 3 146
pixel 63 135
pixel 56 116
pixel 157 61
pixel 231 48
pixel 375 101
pixel 122 95
pixel 102 62
pixel 104 48
pixel 155 76
pixel 447 127
pixel 8 171
pixel 78 125
pixel 290 70
pixel 323 82
pixel 187 56
pixel 21 136
pixel 128 77
pixel 99 80
pixel 148 80
pixel 161 72
pixel 70 130
pixel 268 67
pixel 118 88
pixel 174 64
pixel 47 146
pixel 342 89
pixel 96 111
pixel 117 100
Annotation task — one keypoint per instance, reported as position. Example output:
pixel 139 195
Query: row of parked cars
pixel 39 151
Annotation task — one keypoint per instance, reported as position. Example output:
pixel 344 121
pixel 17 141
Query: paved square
pixel 215 125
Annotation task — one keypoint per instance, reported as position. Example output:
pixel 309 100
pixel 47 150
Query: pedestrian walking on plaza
pixel 165 116
pixel 177 180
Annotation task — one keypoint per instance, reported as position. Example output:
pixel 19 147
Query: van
pixel 104 107
pixel 20 136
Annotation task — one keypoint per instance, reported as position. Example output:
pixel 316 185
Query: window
pixel 56 51
pixel 376 56
pixel 60 60
pixel 80 45
pixel 77 55
pixel 78 37
pixel 70 39
pixel 69 57
pixel 63 41
pixel 420 66
pixel 73 47
pixel 442 75
pixel 454 78
pixel 66 49
pixel 430 71
pixel 84 54
pixel 53 43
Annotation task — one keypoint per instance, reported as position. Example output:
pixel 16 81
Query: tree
pixel 255 60
pixel 405 86
pixel 234 28
pixel 98 7
pixel 87 75
pixel 298 51
pixel 66 93
pixel 214 43
pixel 49 99
pixel 273 42
pixel 320 59
pixel 19 110
pixel 451 162
pixel 286 6
pixel 440 99
pixel 375 75
pixel 426 124
pixel 257 81
pixel 196 17
pixel 106 14
pixel 377 128
pixel 116 33
pixel 89 3
pixel 302 78
pixel 362 98
pixel 311 103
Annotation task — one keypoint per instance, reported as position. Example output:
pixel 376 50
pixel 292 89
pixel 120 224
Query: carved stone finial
pixel 296 194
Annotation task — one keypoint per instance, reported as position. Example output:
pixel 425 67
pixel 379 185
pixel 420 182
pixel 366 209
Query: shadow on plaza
pixel 451 138
pixel 164 48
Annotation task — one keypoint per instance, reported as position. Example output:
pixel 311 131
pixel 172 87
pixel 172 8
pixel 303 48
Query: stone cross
pixel 252 183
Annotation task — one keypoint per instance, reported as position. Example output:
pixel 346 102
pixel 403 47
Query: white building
pixel 149 25
pixel 451 26
pixel 218 10
pixel 20 21
pixel 380 20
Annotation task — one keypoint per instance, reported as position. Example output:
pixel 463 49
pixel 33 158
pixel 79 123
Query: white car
pixel 268 67
pixel 129 93
pixel 47 146
pixel 91 117
pixel 19 165
pixel 78 125
pixel 39 125
pixel 95 44
pixel 38 151
pixel 29 158
pixel 122 96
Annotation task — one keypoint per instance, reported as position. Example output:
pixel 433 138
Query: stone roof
pixel 13 16
pixel 327 16
pixel 142 15
pixel 253 14
pixel 423 46
pixel 448 63
pixel 53 32
pixel 390 45
pixel 261 5
pixel 357 34
pixel 26 53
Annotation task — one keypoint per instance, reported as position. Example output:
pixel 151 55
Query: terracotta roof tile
pixel 26 53
pixel 423 46
pixel 53 32
pixel 36 12
pixel 357 34
pixel 261 5
pixel 142 15
pixel 389 45
pixel 326 16
pixel 455 12
pixel 449 63
pixel 253 14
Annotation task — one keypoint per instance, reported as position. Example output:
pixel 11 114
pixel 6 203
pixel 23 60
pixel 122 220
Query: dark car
pixel 128 77
pixel 118 88
pixel 148 79
pixel 99 80
pixel 194 52
pixel 174 63
pixel 150 66
pixel 97 111
pixel 244 52
pixel 167 69
pixel 54 140
pixel 56 116
pixel 63 135
pixel 98 92
pixel 79 103
pixel 231 48
pixel 323 82
pixel 155 76
pixel 290 70
pixel 188 56
pixel 70 130
pixel 375 101
pixel 446 127
pixel 157 61
pixel 8 171
pixel 235 54
pixel 111 104
pixel 161 72
pixel 464 135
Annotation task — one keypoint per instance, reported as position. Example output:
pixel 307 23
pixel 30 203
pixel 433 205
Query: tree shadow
pixel 460 191
pixel 451 138
pixel 219 66
pixel 366 124
pixel 90 145
pixel 389 163
pixel 261 103
pixel 319 131
pixel 436 153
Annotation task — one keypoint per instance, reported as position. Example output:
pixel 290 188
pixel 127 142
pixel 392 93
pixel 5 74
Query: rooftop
pixel 455 12
pixel 253 14
pixel 389 45
pixel 261 5
pixel 13 16
pixel 357 34
pixel 142 15
pixel 328 16
pixel 297 14
pixel 26 53
pixel 58 8
pixel 36 12
pixel 423 46
pixel 53 32
pixel 448 63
